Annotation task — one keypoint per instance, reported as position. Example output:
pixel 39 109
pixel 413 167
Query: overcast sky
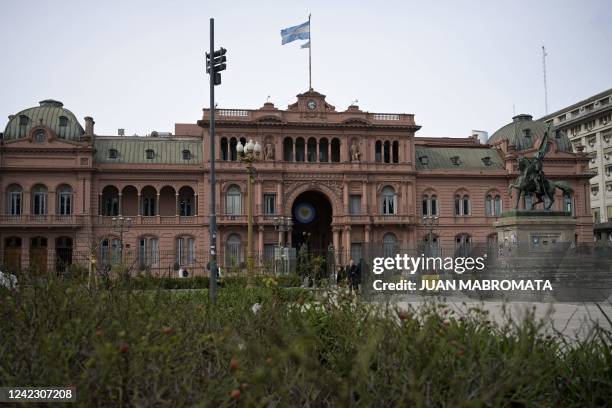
pixel 457 65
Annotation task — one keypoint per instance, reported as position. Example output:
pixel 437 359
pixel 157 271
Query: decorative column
pixel 52 208
pixel 366 240
pixel 347 241
pixel 176 205
pixel 279 198
pixel 100 204
pixel 157 212
pixel 345 197
pixel 336 240
pixel 27 206
pixel 139 204
pixel 364 197
pixel 120 204
pixel 329 151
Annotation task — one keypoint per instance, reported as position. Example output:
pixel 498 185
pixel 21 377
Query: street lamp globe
pixel 239 148
pixel 257 148
pixel 249 146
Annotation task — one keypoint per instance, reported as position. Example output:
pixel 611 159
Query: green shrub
pixel 155 347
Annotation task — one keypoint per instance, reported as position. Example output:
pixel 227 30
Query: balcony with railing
pixel 393 219
pixel 47 220
pixel 102 220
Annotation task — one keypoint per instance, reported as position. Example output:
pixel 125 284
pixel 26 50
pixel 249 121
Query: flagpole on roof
pixel 309 55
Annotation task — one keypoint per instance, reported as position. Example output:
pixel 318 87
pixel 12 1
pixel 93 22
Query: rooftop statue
pixel 532 179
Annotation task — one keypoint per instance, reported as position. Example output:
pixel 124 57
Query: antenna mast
pixel 544 54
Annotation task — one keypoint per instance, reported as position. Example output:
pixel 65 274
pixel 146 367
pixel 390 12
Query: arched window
pixel 389 245
pixel 312 150
pixel 323 150
pixel 387 152
pixel 233 201
pixel 389 201
pixel 186 202
pixel 462 204
pixel 429 205
pixel 233 155
pixel 149 201
pixel 395 152
pixel 466 205
pixel 497 207
pixel 288 149
pixel 378 152
pixel 185 250
pixel 457 204
pixel 39 200
pixel 300 154
pixel 234 254
pixel 434 205
pixel 186 154
pixel 335 150
pixel 489 205
pixel 224 148
pixel 568 204
pixel 64 200
pixel 14 199
pixel 110 201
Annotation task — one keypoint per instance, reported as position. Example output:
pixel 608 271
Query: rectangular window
pixel 269 204
pixel 14 203
pixel 148 251
pixel 234 204
pixel 609 211
pixel 185 248
pixel 355 204
pixel 65 204
pixel 40 204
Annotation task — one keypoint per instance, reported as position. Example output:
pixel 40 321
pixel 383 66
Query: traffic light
pixel 218 64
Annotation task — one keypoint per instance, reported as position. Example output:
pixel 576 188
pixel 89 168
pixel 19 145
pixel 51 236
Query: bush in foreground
pixel 119 346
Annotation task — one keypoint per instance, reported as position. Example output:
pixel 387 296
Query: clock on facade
pixel 312 105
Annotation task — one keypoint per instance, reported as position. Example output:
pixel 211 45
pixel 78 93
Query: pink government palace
pixel 346 179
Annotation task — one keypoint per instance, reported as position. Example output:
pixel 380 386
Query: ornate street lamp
pixel 249 154
pixel 121 224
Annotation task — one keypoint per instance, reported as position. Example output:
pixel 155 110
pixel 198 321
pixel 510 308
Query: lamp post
pixel 249 154
pixel 121 224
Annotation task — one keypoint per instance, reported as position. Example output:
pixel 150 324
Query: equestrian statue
pixel 533 181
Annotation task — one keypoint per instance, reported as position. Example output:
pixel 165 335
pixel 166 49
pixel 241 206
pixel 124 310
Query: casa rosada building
pixel 348 179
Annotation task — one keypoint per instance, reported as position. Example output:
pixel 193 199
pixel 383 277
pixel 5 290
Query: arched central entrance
pixel 312 219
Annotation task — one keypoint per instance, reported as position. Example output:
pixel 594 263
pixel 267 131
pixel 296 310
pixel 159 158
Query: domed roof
pixel 523 132
pixel 50 113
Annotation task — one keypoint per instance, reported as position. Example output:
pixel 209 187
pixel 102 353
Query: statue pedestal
pixel 535 228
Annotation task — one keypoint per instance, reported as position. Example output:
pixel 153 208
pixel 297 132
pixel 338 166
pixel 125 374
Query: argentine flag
pixel 298 32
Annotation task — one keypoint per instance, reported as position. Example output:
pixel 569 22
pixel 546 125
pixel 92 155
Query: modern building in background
pixel 588 125
pixel 345 180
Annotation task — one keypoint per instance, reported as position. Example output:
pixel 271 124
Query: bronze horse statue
pixel 533 181
pixel 526 183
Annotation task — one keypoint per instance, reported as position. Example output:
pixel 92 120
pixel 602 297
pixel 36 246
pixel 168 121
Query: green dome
pixel 50 113
pixel 523 132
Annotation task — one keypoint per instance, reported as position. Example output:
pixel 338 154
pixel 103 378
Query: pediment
pixel 269 119
pixel 355 121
